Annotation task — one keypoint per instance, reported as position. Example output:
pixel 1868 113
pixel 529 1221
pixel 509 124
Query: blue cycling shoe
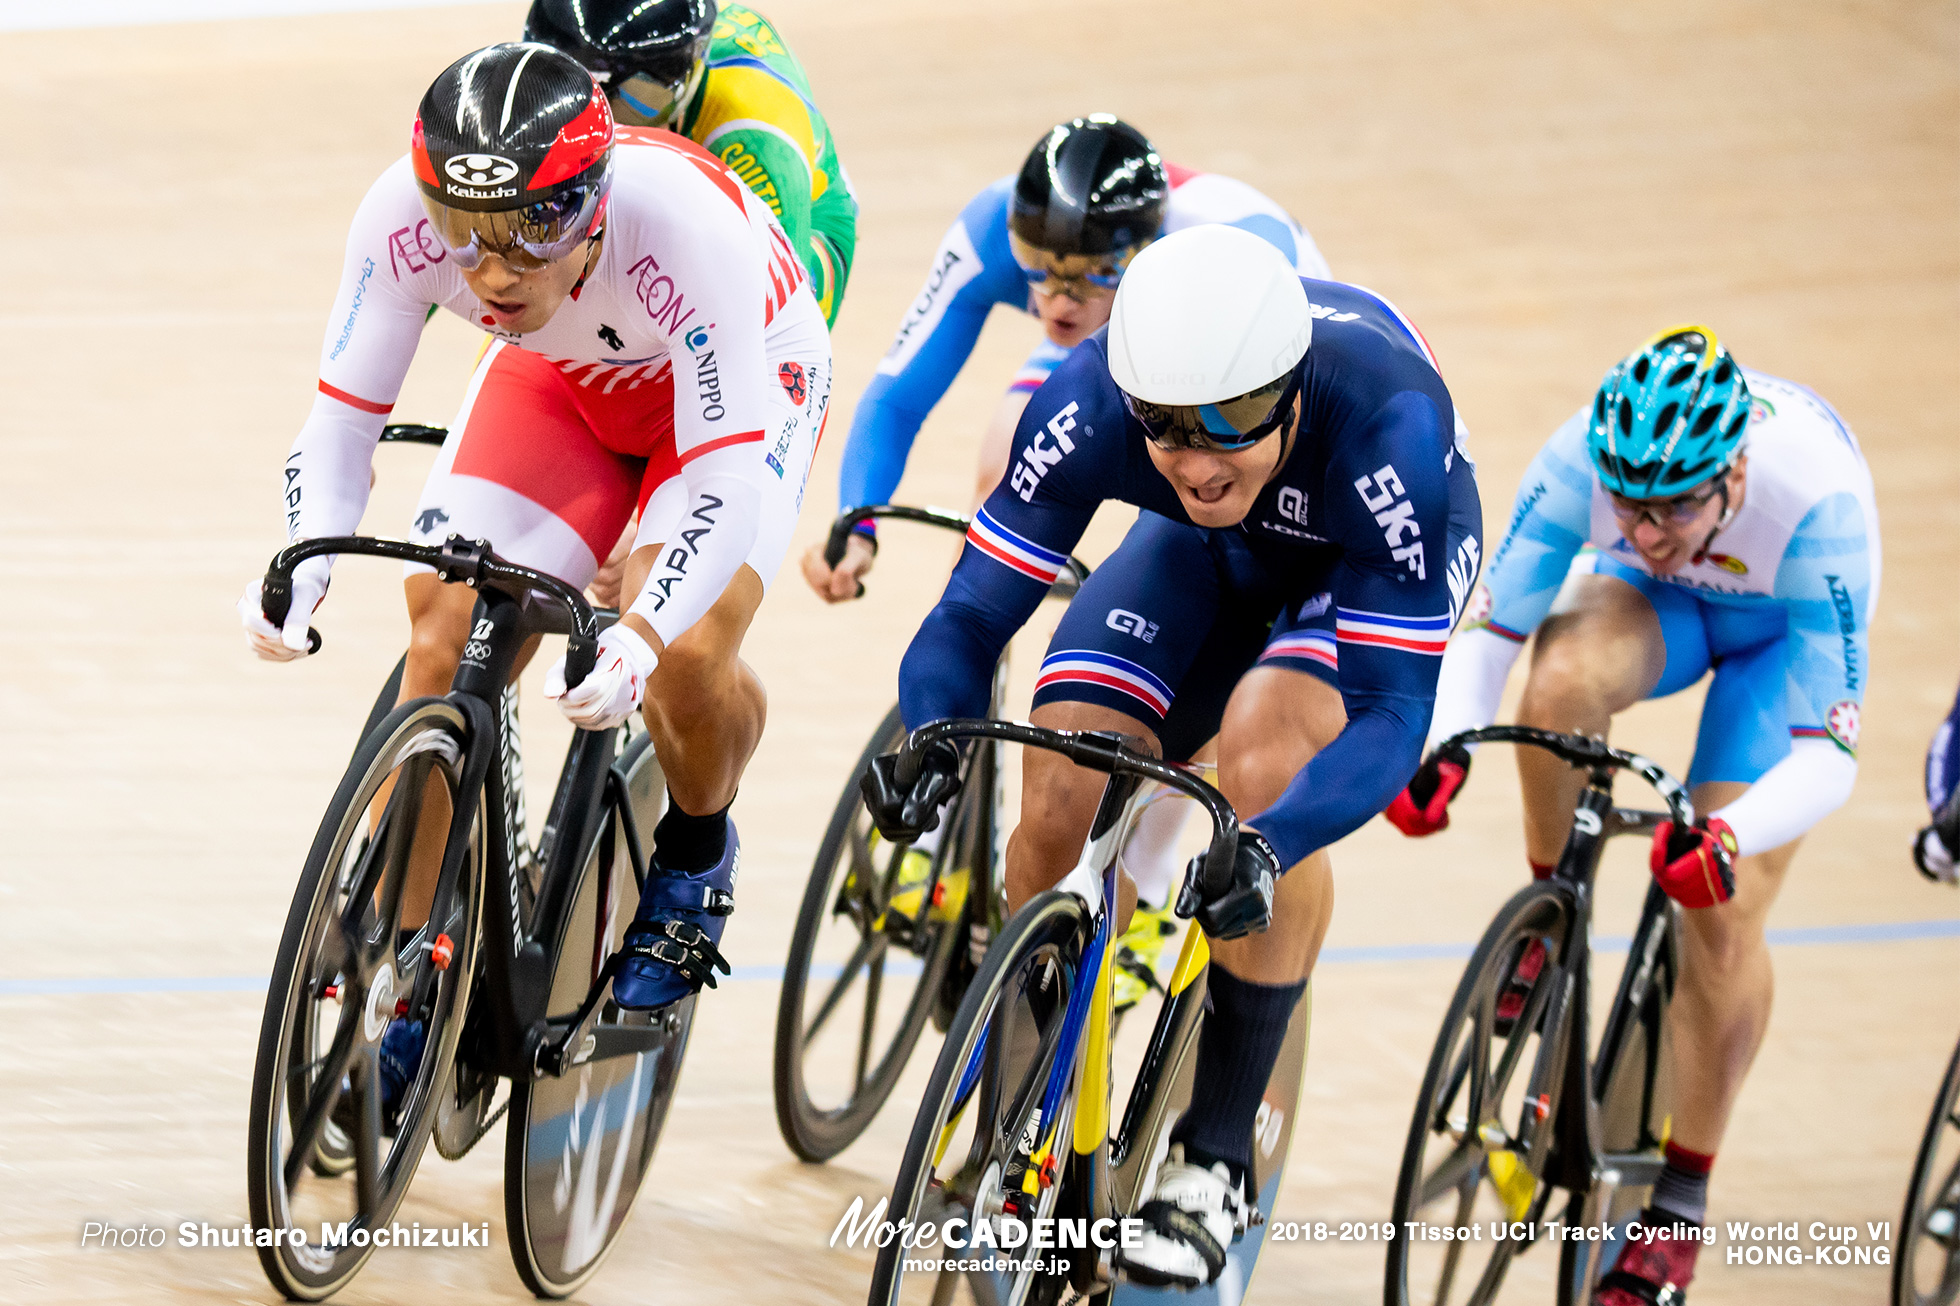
pixel 671 946
pixel 401 1056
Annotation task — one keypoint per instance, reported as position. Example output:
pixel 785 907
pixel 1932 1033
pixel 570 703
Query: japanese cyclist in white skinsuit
pixel 1052 241
pixel 1697 518
pixel 658 348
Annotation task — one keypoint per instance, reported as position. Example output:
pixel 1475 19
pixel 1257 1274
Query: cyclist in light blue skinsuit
pixel 1697 518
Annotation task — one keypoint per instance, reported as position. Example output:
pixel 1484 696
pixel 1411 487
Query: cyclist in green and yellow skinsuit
pixel 722 77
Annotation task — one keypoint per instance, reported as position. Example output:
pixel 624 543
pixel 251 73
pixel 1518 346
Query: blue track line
pixel 1802 937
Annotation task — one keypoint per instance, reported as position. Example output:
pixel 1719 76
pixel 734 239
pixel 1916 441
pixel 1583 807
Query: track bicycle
pixel 876 951
pixel 509 982
pixel 1015 1124
pixel 1515 1104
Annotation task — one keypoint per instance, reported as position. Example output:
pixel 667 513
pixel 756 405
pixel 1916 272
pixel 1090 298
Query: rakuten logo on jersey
pixel 1036 460
pixel 1395 513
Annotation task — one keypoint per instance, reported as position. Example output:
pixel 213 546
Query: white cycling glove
pixel 619 678
pixel 271 642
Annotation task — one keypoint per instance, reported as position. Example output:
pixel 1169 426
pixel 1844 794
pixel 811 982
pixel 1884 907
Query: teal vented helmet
pixel 1669 416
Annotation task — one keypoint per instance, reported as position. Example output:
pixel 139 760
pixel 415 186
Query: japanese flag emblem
pixel 1841 722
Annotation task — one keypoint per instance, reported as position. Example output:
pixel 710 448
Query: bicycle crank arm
pixel 579 1042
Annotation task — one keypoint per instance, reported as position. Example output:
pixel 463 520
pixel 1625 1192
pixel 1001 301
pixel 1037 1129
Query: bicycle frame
pixel 1084 1043
pixel 1579 1162
pixel 521 1041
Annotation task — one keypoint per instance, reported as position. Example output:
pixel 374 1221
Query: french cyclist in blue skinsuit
pixel 1053 242
pixel 1311 528
pixel 1696 519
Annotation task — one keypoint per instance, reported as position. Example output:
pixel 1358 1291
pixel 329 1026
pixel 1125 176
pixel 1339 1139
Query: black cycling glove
pixel 903 814
pixel 1246 905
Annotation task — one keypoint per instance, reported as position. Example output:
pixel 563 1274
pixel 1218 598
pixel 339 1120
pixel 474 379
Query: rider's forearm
pixel 948 670
pixel 1471 683
pixel 881 440
pixel 711 542
pixel 1350 780
pixel 1795 794
pixel 325 482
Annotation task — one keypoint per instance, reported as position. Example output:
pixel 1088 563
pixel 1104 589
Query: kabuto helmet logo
pixel 480 169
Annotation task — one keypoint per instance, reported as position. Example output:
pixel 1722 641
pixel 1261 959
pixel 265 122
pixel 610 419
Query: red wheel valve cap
pixel 442 951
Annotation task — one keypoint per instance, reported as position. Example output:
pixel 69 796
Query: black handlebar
pixel 455 559
pixel 1097 752
pixel 1597 756
pixel 1075 571
pixel 410 433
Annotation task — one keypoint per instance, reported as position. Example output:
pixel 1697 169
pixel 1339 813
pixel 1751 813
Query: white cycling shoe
pixel 1192 1217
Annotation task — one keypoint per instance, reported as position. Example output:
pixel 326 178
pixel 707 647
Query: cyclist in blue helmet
pixel 1696 518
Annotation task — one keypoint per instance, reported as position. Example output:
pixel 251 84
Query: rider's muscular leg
pixel 1722 998
pixel 1058 805
pixel 1276 721
pixel 1599 653
pixel 704 706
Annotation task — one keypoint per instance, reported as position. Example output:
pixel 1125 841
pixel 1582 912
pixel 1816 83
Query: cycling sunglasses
pixel 1225 427
pixel 1078 276
pixel 528 238
pixel 1677 511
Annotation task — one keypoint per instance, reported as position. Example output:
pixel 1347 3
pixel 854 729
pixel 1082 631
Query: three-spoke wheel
pixel 327 1154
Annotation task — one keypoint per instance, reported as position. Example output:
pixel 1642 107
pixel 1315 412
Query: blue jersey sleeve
pixel 1388 495
pixel 1018 543
pixel 972 271
pixel 1825 579
pixel 1549 525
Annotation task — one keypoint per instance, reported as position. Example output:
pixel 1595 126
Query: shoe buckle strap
pixel 692 895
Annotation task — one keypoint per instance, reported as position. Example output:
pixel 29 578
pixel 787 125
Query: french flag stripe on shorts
pixel 1089 667
pixel 1015 551
pixel 1411 634
pixel 1318 645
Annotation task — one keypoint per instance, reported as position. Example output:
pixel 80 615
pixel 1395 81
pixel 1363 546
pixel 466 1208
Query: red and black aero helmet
pixel 513 154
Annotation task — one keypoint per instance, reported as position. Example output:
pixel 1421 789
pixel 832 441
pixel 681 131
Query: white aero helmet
pixel 1207 330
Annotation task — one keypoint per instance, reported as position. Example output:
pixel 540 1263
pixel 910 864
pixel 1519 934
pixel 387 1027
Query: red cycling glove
pixel 1424 806
pixel 1704 874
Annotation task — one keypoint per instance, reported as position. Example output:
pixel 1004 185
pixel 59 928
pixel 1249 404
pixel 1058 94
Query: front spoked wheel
pixel 326 1151
pixel 1926 1269
pixel 579 1145
pixel 981 1150
pixel 1483 1123
pixel 872 944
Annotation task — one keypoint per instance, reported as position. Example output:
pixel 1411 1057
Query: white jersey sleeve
pixel 386 288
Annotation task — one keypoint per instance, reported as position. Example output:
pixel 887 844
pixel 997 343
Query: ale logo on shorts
pixel 795 384
pixel 479 169
pixel 1841 723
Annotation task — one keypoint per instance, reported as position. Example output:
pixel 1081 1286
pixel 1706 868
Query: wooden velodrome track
pixel 1538 184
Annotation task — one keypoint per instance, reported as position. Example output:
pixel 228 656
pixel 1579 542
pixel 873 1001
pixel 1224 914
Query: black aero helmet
pixel 513 153
pixel 649 55
pixel 1092 185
